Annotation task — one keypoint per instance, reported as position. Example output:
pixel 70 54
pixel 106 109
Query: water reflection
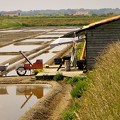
pixel 28 90
pixel 19 98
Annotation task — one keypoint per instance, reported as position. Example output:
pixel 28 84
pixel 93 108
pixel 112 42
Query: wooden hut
pixel 98 36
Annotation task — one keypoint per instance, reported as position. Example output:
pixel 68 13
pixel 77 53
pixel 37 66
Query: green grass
pixel 74 80
pixel 37 21
pixel 70 114
pixel 58 76
pixel 79 85
pixel 102 100
pixel 78 89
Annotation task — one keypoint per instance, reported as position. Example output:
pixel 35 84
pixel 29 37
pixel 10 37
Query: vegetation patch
pixel 79 86
pixel 78 89
pixel 102 100
pixel 58 76
pixel 74 80
pixel 70 114
pixel 47 20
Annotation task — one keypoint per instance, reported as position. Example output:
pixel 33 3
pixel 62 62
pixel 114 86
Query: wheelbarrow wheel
pixel 21 71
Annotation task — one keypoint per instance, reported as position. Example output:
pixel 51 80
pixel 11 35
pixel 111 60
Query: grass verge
pixel 102 100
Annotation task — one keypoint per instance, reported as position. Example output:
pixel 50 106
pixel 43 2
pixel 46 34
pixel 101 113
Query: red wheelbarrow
pixel 22 69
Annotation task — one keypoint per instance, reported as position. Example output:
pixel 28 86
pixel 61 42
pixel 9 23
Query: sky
pixel 26 5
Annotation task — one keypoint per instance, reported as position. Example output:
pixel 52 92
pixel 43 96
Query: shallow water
pixel 4 31
pixel 39 30
pixel 4 58
pixel 37 40
pixel 57 32
pixel 17 48
pixel 15 100
pixel 48 36
pixel 58 48
pixel 67 29
pixel 45 57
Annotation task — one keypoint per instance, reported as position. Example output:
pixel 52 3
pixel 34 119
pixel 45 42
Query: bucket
pixel 67 65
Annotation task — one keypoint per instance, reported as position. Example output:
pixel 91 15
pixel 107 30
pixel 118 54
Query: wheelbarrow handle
pixel 25 57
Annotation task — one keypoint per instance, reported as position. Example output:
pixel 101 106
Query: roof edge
pixel 102 22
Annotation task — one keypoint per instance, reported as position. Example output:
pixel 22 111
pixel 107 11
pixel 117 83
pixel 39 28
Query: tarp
pixel 61 41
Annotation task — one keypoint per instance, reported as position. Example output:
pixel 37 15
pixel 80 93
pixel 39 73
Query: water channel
pixel 15 100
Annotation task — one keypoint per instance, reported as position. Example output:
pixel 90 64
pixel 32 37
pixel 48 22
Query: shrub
pixel 66 79
pixel 58 76
pixel 75 79
pixel 68 115
pixel 75 92
pixel 78 90
pixel 75 106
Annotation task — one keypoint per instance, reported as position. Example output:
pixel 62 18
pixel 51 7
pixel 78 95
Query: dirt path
pixel 49 107
pixel 60 102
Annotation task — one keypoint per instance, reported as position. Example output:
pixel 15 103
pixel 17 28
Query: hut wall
pixel 98 38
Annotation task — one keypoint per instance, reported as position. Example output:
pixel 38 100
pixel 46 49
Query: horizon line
pixel 61 9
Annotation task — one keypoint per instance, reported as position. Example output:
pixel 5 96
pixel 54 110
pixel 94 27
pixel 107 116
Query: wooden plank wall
pixel 98 38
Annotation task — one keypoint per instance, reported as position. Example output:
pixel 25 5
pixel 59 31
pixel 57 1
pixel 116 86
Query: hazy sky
pixel 57 4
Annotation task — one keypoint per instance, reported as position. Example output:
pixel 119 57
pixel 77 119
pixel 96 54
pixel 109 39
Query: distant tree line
pixel 103 11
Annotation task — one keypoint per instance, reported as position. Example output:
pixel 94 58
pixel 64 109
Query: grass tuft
pixel 75 79
pixel 79 88
pixel 68 115
pixel 58 76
